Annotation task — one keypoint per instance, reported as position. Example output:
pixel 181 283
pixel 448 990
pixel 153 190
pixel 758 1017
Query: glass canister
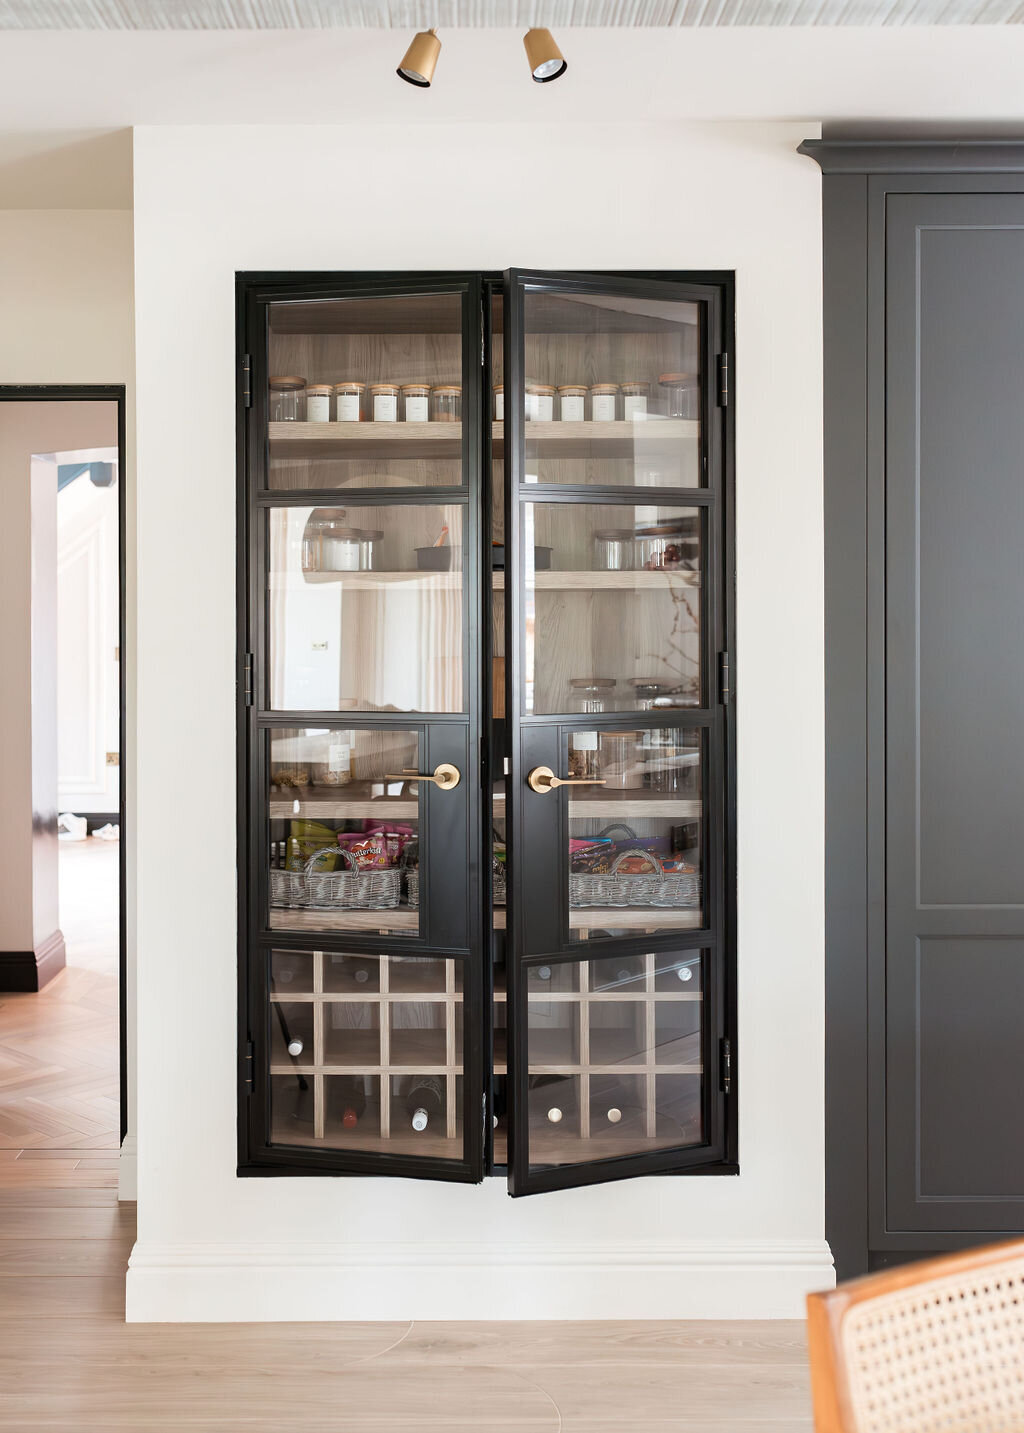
pixel 287 400
pixel 603 402
pixel 499 403
pixel 348 407
pixel 447 403
pixel 318 402
pixel 572 402
pixel 337 769
pixel 416 398
pixel 384 401
pixel 540 402
pixel 614 549
pixel 591 694
pixel 663 548
pixel 679 394
pixel 634 401
pixel 620 761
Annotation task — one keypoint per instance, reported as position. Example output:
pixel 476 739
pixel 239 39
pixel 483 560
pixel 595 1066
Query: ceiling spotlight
pixel 546 59
pixel 420 58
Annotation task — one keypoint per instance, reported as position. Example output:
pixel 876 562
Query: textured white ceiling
pixel 473 14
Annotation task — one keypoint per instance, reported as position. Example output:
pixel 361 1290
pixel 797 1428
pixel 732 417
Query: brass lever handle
pixel 542 779
pixel 446 777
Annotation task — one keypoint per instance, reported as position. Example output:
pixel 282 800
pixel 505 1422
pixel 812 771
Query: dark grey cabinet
pixel 924 270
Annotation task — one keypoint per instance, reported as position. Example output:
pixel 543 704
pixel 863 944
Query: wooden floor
pixel 68 1361
pixel 58 1048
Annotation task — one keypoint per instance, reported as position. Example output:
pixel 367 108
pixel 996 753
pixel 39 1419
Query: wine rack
pixel 635 1039
pixel 401 1022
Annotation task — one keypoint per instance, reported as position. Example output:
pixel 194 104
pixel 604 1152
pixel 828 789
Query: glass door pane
pixel 614 1057
pixel 365 392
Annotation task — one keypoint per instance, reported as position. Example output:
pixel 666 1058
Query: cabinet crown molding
pixel 916 156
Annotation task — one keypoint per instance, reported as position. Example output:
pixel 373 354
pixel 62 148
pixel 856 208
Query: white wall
pixel 66 317
pixel 212 201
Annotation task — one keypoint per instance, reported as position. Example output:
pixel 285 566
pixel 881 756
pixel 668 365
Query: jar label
pixel 531 407
pixel 348 407
pixel 416 409
pixel 584 741
pixel 604 407
pixel 339 756
pixel 318 408
pixel 545 407
pixel 634 407
pixel 499 407
pixel 572 408
pixel 385 408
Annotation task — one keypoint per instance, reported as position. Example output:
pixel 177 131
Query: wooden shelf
pixel 371 921
pixel 352 802
pixel 605 806
pixel 444 440
pixel 637 581
pixel 413 580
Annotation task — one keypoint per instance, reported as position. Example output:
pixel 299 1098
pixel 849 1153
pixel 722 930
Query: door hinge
pixel 725 1058
pixel 248 1067
pixel 248 679
pixel 246 380
pixel 724 691
pixel 723 380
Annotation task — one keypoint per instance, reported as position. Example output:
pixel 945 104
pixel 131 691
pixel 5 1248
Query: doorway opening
pixel 63 958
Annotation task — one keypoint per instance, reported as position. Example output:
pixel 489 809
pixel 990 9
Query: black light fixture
pixel 546 60
pixel 420 58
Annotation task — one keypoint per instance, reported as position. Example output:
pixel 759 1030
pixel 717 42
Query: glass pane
pixel 612 601
pixel 615 1063
pixel 343 839
pixel 366 392
pixel 635 839
pixel 613 391
pixel 370 1057
pixel 365 610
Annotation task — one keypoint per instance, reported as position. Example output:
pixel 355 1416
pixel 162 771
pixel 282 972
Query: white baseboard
pixel 184 1283
pixel 127 1169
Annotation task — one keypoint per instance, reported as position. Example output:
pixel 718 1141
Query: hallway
pixel 59 1105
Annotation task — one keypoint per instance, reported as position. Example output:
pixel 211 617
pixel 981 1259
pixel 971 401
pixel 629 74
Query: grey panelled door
pixel 954 1042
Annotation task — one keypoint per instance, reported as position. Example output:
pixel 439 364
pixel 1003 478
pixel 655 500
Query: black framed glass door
pixel 363 826
pixel 617 730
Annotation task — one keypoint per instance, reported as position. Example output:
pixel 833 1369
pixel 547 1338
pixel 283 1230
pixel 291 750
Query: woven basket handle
pixel 618 826
pixel 655 862
pixel 308 871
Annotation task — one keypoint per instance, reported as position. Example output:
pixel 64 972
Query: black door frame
pixel 105 393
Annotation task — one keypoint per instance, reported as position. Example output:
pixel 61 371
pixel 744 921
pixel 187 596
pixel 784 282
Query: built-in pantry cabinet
pixel 486 745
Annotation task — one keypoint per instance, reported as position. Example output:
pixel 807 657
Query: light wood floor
pixel 59 1107
pixel 68 1362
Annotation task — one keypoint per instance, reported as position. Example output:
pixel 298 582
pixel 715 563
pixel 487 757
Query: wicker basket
pixel 411 872
pixel 352 889
pixel 674 889
pixel 412 884
pixel 499 884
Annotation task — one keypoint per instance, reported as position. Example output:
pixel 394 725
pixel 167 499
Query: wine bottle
pixel 612 1101
pixel 360 971
pixel 424 1101
pixel 295 1046
pixel 544 972
pixel 498 1102
pixel 353 1103
pixel 553 1096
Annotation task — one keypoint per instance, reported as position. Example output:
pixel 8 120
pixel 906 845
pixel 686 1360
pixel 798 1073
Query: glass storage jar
pixel 540 402
pixel 416 398
pixel 603 402
pixel 337 769
pixel 591 694
pixel 384 398
pixel 679 394
pixel 318 402
pixel 287 400
pixel 572 402
pixel 349 402
pixel 614 549
pixel 664 548
pixel 620 761
pixel 447 403
pixel 499 403
pixel 634 401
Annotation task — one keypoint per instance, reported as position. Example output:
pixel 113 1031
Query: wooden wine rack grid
pixel 391 1058
pixel 640 1064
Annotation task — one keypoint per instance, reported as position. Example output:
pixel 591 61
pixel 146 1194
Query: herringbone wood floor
pixel 59 1106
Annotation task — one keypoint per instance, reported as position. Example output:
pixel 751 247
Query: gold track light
pixel 420 58
pixel 546 59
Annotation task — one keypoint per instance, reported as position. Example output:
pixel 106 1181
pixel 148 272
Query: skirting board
pixel 127 1170
pixel 204 1283
pixel 27 971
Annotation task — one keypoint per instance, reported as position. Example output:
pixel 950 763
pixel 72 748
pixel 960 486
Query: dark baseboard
pixel 30 970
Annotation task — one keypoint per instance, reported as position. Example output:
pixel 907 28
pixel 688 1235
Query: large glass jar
pixel 384 398
pixel 287 399
pixel 540 402
pixel 572 402
pixel 416 397
pixel 604 402
pixel 679 394
pixel 318 402
pixel 634 401
pixel 592 694
pixel 447 403
pixel 349 402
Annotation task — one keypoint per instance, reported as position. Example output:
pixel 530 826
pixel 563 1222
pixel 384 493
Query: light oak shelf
pixel 401 918
pixel 352 802
pixel 444 440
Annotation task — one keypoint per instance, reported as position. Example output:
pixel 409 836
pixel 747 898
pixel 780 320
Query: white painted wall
pixel 66 292
pixel 212 201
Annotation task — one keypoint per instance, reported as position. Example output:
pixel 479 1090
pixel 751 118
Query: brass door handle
pixel 446 777
pixel 542 779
